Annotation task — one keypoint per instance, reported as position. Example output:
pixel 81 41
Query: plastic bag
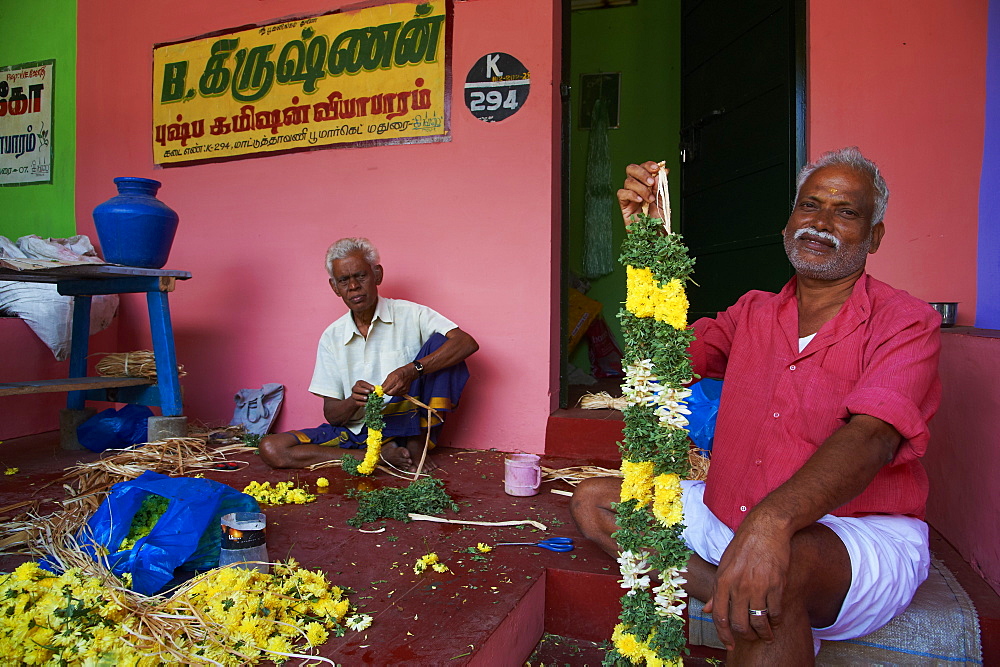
pixel 186 537
pixel 73 249
pixel 256 409
pixel 114 429
pixel 704 406
pixel 48 313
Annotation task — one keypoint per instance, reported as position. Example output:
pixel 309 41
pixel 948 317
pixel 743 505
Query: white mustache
pixel 827 236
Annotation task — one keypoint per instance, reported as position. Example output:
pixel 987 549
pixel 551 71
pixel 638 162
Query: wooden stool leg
pixel 78 352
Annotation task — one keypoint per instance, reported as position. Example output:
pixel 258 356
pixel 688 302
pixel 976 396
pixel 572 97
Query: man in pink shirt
pixel 810 525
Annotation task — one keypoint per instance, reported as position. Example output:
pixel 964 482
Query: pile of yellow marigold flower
pixel 429 561
pixel 229 616
pixel 282 493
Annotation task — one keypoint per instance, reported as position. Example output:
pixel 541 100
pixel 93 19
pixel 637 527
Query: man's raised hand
pixel 639 188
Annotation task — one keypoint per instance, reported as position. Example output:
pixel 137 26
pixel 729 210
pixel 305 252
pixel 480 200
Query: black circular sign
pixel 496 87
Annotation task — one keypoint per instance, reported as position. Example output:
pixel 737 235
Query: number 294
pixel 492 101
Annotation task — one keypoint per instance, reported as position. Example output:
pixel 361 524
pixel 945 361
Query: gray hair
pixel 851 157
pixel 351 245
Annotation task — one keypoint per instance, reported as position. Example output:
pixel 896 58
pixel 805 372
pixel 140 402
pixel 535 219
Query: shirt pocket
pixel 821 402
pixel 408 352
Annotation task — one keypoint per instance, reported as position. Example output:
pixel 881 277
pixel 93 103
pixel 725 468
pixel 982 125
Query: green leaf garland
pixel 655 447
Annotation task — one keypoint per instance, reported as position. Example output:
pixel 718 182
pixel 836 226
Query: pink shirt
pixel 878 356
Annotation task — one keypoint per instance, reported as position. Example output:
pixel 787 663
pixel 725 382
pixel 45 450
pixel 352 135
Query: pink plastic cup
pixel 522 475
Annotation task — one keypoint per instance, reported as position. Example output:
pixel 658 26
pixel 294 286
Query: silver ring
pixel 758 612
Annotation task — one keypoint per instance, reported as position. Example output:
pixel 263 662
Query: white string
pixel 662 198
pixel 663 195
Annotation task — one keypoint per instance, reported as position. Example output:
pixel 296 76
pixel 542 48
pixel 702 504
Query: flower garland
pixel 229 616
pixel 375 423
pixel 655 447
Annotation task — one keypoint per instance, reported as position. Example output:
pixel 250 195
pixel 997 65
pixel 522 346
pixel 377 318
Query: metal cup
pixel 948 311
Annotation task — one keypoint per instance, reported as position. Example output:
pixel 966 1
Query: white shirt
pixel 397 332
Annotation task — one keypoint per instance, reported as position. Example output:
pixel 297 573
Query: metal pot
pixel 948 310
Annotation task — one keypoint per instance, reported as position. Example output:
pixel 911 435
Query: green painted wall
pixel 643 43
pixel 32 31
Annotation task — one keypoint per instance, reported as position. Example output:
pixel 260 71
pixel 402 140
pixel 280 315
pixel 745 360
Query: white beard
pixel 841 263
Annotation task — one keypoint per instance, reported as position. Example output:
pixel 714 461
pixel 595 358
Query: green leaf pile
pixel 425 496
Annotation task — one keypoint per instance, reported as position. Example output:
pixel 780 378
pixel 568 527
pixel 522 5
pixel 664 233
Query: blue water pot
pixel 135 228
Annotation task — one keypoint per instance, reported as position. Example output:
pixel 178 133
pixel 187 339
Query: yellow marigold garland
pixel 637 482
pixel 373 441
pixel 667 506
pixel 654 450
pixel 637 651
pixel 645 298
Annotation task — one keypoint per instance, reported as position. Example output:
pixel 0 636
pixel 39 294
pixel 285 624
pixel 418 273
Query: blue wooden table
pixel 82 282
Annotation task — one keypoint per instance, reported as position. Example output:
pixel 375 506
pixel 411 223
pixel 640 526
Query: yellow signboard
pixel 368 76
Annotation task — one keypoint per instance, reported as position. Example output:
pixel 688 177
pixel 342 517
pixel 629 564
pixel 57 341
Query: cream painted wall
pixel 905 81
pixel 467 227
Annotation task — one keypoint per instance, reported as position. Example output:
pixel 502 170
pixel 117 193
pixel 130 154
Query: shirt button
pixel 743 508
pixel 758 462
pixel 776 415
pixel 792 367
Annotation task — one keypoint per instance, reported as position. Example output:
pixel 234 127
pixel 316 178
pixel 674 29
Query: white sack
pixel 48 313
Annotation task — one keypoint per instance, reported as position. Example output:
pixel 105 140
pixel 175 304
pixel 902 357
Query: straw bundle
pixel 602 401
pixel 140 364
pixel 699 465
pixel 576 474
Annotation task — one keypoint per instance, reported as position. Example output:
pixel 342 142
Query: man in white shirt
pixel 405 347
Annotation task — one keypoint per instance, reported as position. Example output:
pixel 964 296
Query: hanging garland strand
pixel 655 446
pixel 375 423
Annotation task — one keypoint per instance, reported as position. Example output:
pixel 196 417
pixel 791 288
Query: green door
pixel 742 142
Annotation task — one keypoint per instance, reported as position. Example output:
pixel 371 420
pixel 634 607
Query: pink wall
pixel 905 81
pixel 963 459
pixel 467 227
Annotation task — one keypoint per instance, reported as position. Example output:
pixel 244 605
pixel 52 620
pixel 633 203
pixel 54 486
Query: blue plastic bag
pixel 114 429
pixel 186 536
pixel 704 406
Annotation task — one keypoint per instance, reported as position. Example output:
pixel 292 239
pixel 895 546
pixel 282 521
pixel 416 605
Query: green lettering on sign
pixel 174 75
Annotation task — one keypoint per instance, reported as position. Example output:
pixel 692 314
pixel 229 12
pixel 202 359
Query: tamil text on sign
pixel 368 76
pixel 26 123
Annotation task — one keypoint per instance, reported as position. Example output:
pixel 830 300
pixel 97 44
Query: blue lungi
pixel 440 390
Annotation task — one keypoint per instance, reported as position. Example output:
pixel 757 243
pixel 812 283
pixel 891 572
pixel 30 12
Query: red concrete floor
pixel 485 612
